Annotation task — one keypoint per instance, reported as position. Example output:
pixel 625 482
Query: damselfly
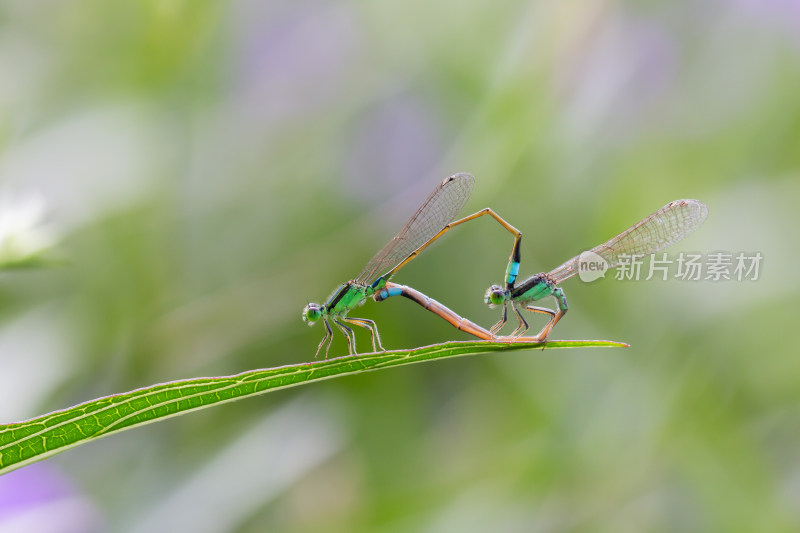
pixel 431 221
pixel 663 228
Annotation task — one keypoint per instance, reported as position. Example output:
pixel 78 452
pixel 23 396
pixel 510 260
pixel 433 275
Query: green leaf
pixel 36 439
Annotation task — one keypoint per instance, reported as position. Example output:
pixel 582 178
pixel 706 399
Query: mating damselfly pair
pixel 435 217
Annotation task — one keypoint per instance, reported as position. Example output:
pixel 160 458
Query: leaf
pixel 38 438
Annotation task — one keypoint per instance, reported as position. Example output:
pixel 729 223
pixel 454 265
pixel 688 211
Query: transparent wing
pixel 435 213
pixel 663 228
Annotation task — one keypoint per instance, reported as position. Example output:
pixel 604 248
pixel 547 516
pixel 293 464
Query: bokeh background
pixel 178 179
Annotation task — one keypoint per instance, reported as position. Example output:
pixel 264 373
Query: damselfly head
pixel 495 295
pixel 311 313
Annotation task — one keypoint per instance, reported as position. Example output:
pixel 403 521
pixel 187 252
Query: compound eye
pixel 495 295
pixel 312 312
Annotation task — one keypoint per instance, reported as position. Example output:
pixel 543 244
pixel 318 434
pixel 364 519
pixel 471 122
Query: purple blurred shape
pixel 292 58
pixel 618 74
pixel 777 13
pixel 393 148
pixel 38 498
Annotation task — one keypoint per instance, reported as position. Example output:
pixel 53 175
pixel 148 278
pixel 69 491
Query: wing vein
pixel 433 215
pixel 663 228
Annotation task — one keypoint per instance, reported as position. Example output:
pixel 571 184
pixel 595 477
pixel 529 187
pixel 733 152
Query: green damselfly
pixel 432 220
pixel 663 228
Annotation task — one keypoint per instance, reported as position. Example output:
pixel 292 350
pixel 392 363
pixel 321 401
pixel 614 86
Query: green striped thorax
pixel 532 289
pixel 344 298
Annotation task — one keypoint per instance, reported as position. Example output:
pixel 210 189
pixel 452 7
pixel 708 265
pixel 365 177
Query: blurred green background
pixel 204 169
